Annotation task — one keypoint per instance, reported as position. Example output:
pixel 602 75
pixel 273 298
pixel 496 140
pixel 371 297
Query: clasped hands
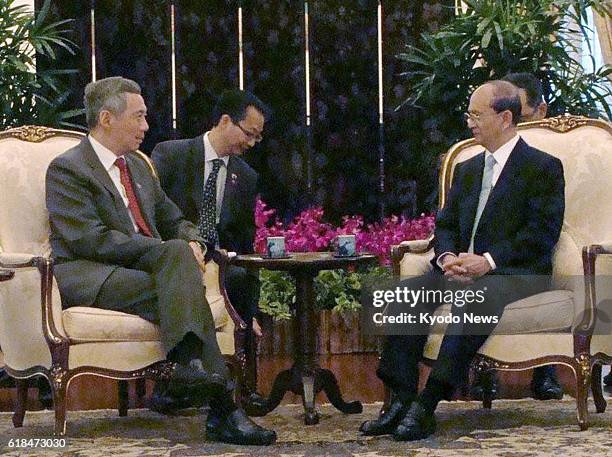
pixel 465 267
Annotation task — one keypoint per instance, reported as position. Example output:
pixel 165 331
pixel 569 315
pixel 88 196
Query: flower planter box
pixel 338 334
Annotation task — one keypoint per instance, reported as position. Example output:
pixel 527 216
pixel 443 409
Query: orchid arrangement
pixel 337 290
pixel 308 232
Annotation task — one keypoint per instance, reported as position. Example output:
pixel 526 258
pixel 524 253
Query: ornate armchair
pixel 554 327
pixel 37 336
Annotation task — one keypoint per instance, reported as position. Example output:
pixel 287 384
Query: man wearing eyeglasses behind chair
pixel 216 189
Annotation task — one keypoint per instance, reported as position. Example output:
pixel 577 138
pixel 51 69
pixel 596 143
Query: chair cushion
pixel 84 324
pixel 546 312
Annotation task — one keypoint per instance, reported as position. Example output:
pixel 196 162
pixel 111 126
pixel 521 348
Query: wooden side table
pixel 306 378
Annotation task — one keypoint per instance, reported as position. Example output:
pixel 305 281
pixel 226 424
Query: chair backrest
pixel 25 154
pixel 584 146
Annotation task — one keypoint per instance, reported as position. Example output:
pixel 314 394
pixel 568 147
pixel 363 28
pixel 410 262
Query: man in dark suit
pixel 216 189
pixel 544 384
pixel 120 243
pixel 502 219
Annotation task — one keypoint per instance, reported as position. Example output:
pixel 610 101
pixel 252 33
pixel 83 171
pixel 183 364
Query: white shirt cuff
pixel 441 256
pixel 490 260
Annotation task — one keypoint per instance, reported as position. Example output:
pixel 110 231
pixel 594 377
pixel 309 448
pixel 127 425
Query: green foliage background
pixel 337 290
pixel 28 96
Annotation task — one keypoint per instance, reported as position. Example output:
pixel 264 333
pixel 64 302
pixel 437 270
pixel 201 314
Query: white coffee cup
pixel 346 245
pixel 275 246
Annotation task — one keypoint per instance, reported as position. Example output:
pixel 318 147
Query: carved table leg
pixel 281 385
pixel 305 377
pixel 329 385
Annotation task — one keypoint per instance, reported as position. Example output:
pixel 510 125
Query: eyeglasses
pixel 250 135
pixel 476 117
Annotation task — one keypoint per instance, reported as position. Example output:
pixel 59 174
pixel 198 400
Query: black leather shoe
pixel 163 403
pixel 417 424
pixel 237 428
pixel 478 386
pixel 546 387
pixel 387 422
pixel 195 381
pixel 255 405
pixel 607 379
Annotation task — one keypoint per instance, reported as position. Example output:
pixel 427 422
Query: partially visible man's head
pixel 239 118
pixel 494 110
pixel 116 113
pixel 534 107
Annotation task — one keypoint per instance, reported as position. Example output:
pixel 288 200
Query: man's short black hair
pixel 506 98
pixel 235 102
pixel 530 84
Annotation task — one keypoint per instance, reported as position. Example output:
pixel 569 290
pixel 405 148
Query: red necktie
pixel 132 201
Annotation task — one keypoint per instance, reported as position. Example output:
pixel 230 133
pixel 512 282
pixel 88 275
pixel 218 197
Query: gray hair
pixel 107 94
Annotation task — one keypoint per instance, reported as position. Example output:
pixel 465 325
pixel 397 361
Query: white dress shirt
pixel 209 155
pixel 108 158
pixel 501 157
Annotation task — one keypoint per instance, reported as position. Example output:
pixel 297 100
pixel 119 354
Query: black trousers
pixel 165 287
pixel 398 367
pixel 242 288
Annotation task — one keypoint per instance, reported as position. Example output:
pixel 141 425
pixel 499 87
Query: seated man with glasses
pixel 494 236
pixel 216 189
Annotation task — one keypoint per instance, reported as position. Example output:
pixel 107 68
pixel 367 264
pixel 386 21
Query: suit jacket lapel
pixel 197 160
pixel 102 175
pixel 506 179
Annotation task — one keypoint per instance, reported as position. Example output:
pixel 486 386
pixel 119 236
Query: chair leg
pixel 20 402
pixel 583 379
pixel 600 402
pixel 387 394
pixel 59 387
pixel 141 391
pixel 123 398
pixel 486 381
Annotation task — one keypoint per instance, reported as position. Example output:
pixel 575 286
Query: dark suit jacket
pixel 91 230
pixel 522 219
pixel 180 165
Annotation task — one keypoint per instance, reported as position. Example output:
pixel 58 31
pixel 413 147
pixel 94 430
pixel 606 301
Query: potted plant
pixel 490 38
pixel 29 95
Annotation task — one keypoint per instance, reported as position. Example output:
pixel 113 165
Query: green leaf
pixel 486 38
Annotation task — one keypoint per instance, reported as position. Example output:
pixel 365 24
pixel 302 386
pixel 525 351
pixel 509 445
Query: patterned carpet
pixel 512 428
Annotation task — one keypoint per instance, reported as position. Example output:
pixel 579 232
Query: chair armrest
pixel 606 248
pixel 589 257
pixel 411 246
pixel 222 258
pixel 19 260
pixel 44 265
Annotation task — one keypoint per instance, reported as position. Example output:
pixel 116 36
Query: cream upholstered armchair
pixel 553 327
pixel 37 336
